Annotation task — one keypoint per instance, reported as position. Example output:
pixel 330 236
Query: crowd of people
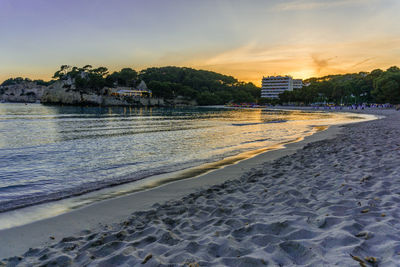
pixel 358 106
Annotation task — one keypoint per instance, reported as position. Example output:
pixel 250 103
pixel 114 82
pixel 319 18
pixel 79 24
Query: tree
pixel 205 86
pixel 60 74
pixel 376 86
pixel 386 87
pixel 87 68
pixel 101 71
pixel 393 69
pixel 207 98
pixel 162 89
pixel 127 76
pixel 225 96
pixel 241 96
pixel 124 77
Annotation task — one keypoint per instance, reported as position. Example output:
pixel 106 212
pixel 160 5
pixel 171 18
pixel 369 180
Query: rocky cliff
pixel 27 92
pixel 64 92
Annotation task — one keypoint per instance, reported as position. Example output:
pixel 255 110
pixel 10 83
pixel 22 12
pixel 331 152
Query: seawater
pixel 49 153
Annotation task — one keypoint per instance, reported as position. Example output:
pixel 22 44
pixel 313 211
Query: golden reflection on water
pixel 29 214
pixel 288 126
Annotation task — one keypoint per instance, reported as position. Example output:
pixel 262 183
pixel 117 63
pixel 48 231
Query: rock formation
pixel 64 92
pixel 25 91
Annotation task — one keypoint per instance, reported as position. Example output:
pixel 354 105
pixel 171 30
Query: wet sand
pixel 324 201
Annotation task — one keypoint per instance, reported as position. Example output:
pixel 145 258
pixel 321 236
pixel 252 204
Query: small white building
pixel 272 86
pixel 140 91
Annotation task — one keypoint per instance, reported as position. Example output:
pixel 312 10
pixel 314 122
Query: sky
pixel 246 39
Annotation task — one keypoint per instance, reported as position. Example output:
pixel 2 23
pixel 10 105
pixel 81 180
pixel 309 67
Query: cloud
pixel 251 61
pixel 253 53
pixel 321 63
pixel 317 4
pixel 363 62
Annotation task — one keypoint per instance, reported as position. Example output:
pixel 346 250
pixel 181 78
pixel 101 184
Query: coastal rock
pixel 63 92
pixel 25 92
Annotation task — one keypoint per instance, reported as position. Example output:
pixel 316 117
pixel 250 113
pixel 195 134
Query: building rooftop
pixel 279 76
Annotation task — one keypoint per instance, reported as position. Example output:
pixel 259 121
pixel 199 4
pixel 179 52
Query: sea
pixel 52 153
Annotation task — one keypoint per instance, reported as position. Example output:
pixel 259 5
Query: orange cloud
pixel 251 61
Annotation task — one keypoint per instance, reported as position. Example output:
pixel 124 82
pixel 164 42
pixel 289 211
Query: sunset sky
pixel 245 39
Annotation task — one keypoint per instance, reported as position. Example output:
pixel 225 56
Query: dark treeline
pixel 378 86
pixel 211 88
pixel 206 87
pixel 18 80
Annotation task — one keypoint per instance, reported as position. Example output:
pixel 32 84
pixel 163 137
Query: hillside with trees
pixel 211 88
pixel 377 86
pixel 205 87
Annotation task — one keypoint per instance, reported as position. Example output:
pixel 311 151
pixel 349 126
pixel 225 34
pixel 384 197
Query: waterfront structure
pixel 140 91
pixel 272 86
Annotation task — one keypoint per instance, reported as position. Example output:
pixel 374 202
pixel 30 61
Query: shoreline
pixel 50 207
pixel 79 201
pixel 19 239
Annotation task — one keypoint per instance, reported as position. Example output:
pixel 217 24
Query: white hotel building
pixel 272 86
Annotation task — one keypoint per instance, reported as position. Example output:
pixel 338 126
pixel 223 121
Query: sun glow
pixel 299 38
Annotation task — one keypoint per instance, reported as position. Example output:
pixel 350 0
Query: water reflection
pixel 53 152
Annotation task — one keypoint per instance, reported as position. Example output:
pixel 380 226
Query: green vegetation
pixel 18 80
pixel 86 78
pixel 375 87
pixel 206 87
pixel 211 88
pixel 125 77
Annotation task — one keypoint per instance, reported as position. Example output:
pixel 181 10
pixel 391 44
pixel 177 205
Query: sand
pixel 327 202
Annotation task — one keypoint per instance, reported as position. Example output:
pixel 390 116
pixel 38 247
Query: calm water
pixel 49 153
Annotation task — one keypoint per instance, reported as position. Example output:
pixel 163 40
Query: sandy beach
pixel 329 200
